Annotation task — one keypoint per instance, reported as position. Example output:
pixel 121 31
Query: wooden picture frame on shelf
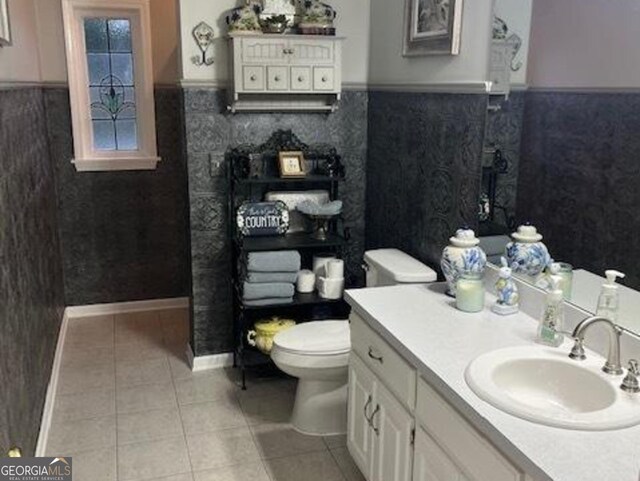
pixel 291 164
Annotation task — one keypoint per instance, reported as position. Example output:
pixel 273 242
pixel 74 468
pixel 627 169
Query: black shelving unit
pixel 244 184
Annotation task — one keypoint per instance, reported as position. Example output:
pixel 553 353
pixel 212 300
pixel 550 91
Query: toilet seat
pixel 317 338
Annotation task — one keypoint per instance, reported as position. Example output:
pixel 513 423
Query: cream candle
pixel 470 294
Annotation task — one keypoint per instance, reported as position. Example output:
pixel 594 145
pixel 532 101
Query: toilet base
pixel 320 407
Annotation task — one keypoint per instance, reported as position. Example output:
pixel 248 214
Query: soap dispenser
pixel 608 300
pixel 549 331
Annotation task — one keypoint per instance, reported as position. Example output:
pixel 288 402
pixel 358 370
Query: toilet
pixel 317 352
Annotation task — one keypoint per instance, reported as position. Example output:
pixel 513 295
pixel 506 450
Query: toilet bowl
pixel 317 353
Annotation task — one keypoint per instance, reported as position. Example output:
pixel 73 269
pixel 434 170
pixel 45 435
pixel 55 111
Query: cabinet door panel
pixel 392 449
pixel 312 52
pixel 265 50
pixel 430 463
pixel 361 393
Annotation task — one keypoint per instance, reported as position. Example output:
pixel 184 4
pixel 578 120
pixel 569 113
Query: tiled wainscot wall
pixel 124 234
pixel 31 286
pixel 579 177
pixel 210 132
pixel 424 169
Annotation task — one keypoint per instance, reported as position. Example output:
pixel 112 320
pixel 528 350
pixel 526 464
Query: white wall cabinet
pixel 285 72
pixel 390 440
pixel 380 430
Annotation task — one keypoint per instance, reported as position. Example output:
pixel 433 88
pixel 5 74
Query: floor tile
pixel 78 356
pixel 90 331
pixel 346 464
pixel 84 405
pixel 280 440
pixel 260 388
pixel 208 386
pixel 274 408
pixel 318 466
pixel 180 368
pixel 154 459
pixel 336 441
pixel 212 416
pixel 140 351
pixel 87 378
pixel 148 425
pixel 138 326
pixel 222 448
pixel 153 371
pixel 145 397
pixel 71 436
pixel 96 465
pixel 241 472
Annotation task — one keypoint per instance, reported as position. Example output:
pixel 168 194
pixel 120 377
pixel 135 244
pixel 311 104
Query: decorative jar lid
pixel 527 234
pixel 274 325
pixel 464 238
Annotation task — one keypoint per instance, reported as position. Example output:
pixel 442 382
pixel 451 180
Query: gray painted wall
pixel 124 234
pixel 31 286
pixel 424 169
pixel 579 178
pixel 210 132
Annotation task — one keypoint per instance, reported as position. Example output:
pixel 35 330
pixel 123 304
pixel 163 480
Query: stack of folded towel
pixel 270 277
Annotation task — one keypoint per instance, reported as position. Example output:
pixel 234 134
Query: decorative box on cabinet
pixel 285 72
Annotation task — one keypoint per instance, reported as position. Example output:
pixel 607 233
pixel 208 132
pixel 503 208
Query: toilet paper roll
pixel 306 281
pixel 335 269
pixel 330 288
pixel 319 263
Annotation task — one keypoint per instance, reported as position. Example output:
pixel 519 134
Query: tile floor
pixel 129 408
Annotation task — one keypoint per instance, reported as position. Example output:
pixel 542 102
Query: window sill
pixel 107 165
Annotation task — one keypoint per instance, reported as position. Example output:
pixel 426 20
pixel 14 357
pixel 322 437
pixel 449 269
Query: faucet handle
pixel 630 383
pixel 577 351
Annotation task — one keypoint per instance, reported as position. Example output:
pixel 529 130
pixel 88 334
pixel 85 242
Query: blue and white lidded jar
pixel 462 256
pixel 526 254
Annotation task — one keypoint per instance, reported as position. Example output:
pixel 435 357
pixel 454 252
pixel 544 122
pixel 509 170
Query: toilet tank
pixel 389 267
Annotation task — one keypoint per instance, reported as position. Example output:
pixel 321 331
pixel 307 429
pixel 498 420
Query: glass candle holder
pixel 566 284
pixel 470 293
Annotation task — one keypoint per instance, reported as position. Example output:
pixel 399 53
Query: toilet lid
pixel 316 338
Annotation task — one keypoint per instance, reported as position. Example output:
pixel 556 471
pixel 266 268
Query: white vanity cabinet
pixel 285 72
pixel 401 429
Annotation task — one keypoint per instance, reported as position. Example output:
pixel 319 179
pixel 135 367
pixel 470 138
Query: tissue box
pixel 297 221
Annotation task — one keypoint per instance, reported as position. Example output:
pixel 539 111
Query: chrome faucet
pixel 612 366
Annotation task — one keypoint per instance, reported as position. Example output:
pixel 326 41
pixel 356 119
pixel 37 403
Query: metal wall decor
pixel 432 27
pixel 262 219
pixel 203 34
pixel 5 31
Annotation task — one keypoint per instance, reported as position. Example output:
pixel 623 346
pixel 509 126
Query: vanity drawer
pixel 384 361
pixel 278 78
pixel 460 440
pixel 253 78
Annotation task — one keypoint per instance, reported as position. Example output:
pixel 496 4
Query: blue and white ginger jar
pixel 526 254
pixel 462 257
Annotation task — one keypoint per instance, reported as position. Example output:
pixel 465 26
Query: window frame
pixel 86 157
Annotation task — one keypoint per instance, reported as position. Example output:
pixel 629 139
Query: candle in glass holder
pixel 470 293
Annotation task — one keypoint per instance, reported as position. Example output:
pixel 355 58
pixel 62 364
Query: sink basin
pixel 544 386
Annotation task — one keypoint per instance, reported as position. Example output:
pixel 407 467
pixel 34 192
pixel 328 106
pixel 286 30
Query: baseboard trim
pixel 52 388
pixel 213 361
pixel 125 307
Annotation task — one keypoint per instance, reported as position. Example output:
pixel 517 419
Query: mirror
pixel 562 150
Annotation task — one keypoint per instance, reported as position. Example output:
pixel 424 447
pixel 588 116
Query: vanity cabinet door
pixel 362 386
pixel 392 428
pixel 430 463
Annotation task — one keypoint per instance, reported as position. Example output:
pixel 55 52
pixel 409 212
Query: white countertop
pixel 422 324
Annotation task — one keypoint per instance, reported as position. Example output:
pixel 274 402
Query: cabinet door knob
pixel 324 79
pixel 252 78
pixel 301 79
pixel 276 78
pixel 374 356
pixel 291 51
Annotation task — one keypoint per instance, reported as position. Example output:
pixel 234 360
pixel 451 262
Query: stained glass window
pixel 111 83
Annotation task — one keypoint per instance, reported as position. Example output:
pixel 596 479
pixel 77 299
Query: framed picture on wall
pixel 432 27
pixel 5 32
pixel 291 164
